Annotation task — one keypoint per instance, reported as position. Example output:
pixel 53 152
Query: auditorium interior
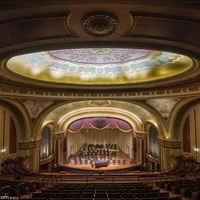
pixel 100 100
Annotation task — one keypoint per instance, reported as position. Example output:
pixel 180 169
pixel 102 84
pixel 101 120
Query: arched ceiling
pixel 49 73
pixel 59 113
pixel 66 114
pixel 98 28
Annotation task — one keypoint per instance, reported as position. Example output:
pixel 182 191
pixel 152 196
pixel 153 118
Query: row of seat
pixel 86 191
pixel 184 187
pixel 16 188
pixel 157 198
pixel 196 195
pixel 184 165
pixel 100 195
pixel 101 186
pixel 128 191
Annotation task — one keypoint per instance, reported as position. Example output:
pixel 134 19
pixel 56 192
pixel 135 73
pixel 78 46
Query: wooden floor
pixel 120 155
pixel 107 168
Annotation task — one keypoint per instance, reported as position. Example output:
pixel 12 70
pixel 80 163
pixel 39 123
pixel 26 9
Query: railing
pixel 54 178
pixel 48 179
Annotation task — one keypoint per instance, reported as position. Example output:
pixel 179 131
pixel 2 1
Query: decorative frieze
pixel 142 135
pixel 152 159
pixel 58 136
pixel 170 144
pixel 29 145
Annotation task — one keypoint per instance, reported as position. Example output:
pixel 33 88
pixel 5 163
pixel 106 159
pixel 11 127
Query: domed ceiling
pixel 99 66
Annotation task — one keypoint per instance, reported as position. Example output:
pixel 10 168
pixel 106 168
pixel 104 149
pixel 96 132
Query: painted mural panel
pixel 163 106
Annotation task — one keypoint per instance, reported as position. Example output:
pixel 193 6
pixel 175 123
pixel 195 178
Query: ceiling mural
pixel 141 112
pixel 99 56
pixel 164 106
pixel 99 65
pixel 64 109
pixel 36 107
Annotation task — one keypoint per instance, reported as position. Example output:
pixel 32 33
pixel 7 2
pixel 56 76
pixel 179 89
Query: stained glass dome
pixel 99 65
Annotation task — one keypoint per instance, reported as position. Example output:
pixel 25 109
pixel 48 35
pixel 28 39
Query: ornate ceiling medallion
pixel 100 24
pixel 99 103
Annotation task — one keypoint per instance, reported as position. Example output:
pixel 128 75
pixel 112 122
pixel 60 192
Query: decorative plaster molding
pixel 29 145
pixel 133 23
pixel 152 159
pixel 100 102
pixel 170 19
pixel 170 144
pixel 100 24
pixel 142 135
pixel 47 160
pixel 38 20
pixel 58 136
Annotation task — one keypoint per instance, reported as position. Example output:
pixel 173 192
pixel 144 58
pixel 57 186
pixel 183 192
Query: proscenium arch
pixel 65 121
pixel 43 116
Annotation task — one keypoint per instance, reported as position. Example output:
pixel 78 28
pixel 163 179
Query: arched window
pixel 45 149
pixel 153 142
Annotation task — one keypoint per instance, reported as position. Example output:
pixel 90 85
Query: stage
pixel 90 158
pixel 87 167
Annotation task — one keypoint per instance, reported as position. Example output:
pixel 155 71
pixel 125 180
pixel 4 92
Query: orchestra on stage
pixel 97 155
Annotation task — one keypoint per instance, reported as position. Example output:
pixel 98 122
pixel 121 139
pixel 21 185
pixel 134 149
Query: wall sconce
pixel 3 151
pixel 196 150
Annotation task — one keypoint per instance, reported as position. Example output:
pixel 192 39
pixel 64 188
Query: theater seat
pixel 88 195
pixel 163 194
pixel 37 195
pixel 101 199
pixel 114 195
pixel 196 195
pixel 175 198
pixel 39 199
pixel 186 192
pixel 126 195
pixel 139 195
pixel 161 198
pixel 61 195
pixel 100 195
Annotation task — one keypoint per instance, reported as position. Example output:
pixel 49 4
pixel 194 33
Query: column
pixel 144 150
pixel 141 146
pixel 58 147
pixel 36 158
pixel 54 149
pixel 60 151
pixel 168 148
pixel 31 149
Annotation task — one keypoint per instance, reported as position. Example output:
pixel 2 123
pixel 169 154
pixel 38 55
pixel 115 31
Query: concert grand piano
pixel 101 163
